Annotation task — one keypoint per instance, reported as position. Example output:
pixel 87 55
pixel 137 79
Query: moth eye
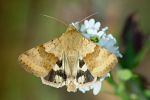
pixel 81 63
pixel 59 63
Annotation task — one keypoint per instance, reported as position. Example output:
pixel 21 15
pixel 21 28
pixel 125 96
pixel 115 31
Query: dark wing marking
pixel 59 63
pixel 87 76
pixel 81 63
pixel 56 76
pixel 52 75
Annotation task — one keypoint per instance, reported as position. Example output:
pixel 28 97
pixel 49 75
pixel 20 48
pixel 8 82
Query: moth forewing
pixel 33 62
pixel 101 61
pixel 56 85
pixel 106 66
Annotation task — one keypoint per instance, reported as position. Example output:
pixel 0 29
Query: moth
pixel 70 60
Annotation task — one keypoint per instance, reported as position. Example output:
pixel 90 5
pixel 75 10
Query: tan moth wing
pixel 38 61
pixel 101 61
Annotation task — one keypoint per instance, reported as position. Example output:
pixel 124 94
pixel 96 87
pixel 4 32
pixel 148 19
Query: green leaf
pixel 120 88
pixel 147 93
pixel 95 39
pixel 124 74
pixel 133 96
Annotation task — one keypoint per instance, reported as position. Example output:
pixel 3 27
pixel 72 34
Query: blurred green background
pixel 22 27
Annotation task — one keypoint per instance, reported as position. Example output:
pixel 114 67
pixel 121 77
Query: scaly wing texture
pixel 38 61
pixel 71 42
pixel 100 62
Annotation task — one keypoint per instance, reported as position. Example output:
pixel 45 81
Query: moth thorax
pixel 72 60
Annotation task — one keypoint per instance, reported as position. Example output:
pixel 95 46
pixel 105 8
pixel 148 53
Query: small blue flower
pixel 109 42
pixel 90 27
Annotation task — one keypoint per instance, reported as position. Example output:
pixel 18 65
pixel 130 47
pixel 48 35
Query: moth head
pixel 71 28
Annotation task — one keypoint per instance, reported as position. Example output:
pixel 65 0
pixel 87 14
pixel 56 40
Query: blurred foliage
pixel 22 27
pixel 135 47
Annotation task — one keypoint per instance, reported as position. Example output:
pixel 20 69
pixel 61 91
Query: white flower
pixel 95 86
pixel 109 42
pixel 90 27
pixel 102 32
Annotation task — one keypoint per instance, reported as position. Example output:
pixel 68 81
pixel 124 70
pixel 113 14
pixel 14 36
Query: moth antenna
pixel 56 19
pixel 88 17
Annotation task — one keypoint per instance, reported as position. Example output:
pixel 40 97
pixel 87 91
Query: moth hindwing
pixel 70 60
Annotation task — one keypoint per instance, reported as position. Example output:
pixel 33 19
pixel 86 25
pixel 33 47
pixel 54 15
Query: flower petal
pixel 100 34
pixel 97 87
pixel 84 89
pixel 83 28
pixel 94 32
pixel 86 23
pixel 91 23
pixel 86 35
pixel 97 25
pixel 105 29
pixel 89 31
